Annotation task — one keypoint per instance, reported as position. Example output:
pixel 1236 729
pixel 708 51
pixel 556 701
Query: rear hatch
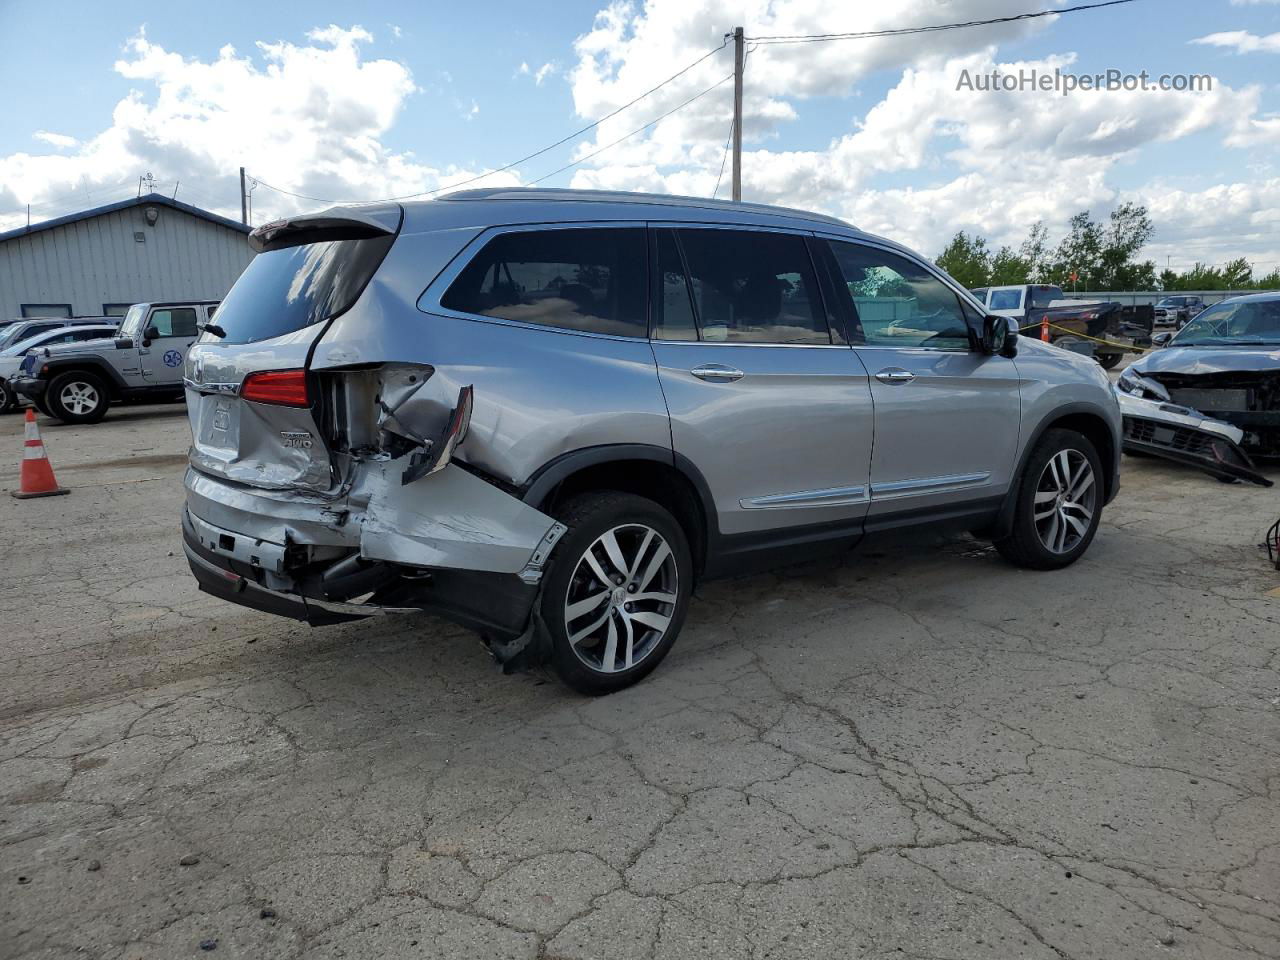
pixel 253 404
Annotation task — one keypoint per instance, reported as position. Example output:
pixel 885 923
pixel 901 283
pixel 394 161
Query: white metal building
pixel 100 261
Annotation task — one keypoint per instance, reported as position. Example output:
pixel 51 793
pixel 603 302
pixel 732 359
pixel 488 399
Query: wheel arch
pixel 1084 419
pixel 99 368
pixel 656 473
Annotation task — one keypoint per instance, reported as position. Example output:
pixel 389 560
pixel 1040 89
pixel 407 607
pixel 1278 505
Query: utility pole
pixel 244 201
pixel 738 45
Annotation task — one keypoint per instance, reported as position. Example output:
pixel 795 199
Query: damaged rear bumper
pixel 1184 435
pixel 449 543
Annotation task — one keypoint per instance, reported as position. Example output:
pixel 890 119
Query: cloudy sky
pixel 344 102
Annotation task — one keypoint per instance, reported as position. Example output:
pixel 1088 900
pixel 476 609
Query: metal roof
pixel 619 196
pixel 147 200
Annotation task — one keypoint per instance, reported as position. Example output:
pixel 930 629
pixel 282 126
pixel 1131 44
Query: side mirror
pixel 124 343
pixel 999 337
pixel 151 333
pixel 1161 339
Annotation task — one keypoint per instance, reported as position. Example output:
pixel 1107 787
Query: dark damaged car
pixel 1211 397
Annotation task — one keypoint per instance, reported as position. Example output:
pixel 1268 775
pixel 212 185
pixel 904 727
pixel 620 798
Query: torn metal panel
pixel 1184 435
pixel 448 519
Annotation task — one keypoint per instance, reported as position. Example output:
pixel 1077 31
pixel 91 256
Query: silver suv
pixel 547 415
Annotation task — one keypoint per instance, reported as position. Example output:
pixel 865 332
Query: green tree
pixel 1007 267
pixel 1270 282
pixel 1035 252
pixel 1238 274
pixel 1079 252
pixel 966 259
pixel 1127 232
pixel 1169 280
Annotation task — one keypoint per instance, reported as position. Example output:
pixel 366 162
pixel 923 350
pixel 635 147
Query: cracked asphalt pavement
pixel 919 752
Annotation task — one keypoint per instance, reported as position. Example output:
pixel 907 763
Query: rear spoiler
pixel 337 223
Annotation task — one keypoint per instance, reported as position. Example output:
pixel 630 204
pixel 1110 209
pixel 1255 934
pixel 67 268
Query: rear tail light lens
pixel 283 388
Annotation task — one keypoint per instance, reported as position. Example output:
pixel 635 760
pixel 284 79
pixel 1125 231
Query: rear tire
pixel 1108 361
pixel 77 397
pixel 617 590
pixel 1059 503
pixel 8 400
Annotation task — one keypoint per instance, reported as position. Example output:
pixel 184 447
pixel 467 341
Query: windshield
pixel 132 325
pixel 1233 323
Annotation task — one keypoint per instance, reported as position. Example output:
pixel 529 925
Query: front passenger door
pixel 946 415
pixel 163 358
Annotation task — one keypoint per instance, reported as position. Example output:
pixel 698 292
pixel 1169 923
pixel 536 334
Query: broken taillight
pixel 283 388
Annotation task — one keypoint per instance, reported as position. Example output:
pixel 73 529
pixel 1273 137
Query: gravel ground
pixel 920 752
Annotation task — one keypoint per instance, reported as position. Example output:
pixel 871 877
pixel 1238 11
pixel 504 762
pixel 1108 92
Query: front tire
pixel 8 400
pixel 77 397
pixel 1059 503
pixel 617 590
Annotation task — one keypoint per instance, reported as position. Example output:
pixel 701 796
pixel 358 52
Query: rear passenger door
pixel 765 395
pixel 947 415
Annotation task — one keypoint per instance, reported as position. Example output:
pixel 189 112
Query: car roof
pixel 607 198
pixel 1252 297
pixel 506 206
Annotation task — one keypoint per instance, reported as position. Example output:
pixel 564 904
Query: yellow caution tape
pixel 1084 336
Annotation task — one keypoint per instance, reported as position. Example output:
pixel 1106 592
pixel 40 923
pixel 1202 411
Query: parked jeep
pixel 548 414
pixel 76 383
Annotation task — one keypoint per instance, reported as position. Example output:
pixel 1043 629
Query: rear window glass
pixel 285 290
pixel 592 280
pixel 1043 296
pixel 1006 299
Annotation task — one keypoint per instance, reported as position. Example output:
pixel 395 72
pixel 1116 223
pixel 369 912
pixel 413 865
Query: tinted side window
pixel 591 280
pixel 899 303
pixel 674 319
pixel 754 287
pixel 174 322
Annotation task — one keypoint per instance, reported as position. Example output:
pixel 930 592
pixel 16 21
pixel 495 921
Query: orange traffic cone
pixel 37 474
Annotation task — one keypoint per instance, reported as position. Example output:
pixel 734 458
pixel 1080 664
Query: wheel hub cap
pixel 1065 500
pixel 621 598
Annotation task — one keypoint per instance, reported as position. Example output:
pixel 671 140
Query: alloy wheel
pixel 79 398
pixel 1066 496
pixel 621 598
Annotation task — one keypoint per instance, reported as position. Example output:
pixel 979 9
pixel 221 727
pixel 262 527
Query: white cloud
pixel 993 162
pixel 1242 41
pixel 541 73
pixel 59 140
pixel 309 118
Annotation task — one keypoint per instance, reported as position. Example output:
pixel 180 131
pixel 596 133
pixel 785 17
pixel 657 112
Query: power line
pixel 525 159
pixel 723 157
pixel 595 153
pixel 934 28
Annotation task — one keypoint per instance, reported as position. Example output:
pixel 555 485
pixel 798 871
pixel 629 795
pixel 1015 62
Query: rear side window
pixel 900 303
pixel 1006 299
pixel 590 280
pixel 751 287
pixel 285 290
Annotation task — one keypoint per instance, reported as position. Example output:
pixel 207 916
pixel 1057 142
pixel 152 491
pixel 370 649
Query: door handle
pixel 717 373
pixel 895 375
